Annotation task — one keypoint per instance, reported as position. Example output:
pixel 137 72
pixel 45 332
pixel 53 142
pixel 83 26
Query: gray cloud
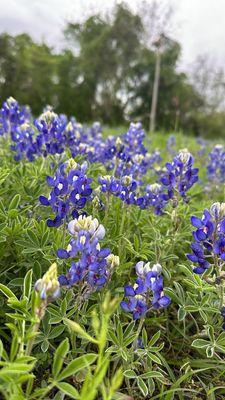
pixel 197 24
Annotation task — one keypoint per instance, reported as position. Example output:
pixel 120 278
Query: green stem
pixel 140 326
pixel 121 229
pixel 31 341
pixel 107 209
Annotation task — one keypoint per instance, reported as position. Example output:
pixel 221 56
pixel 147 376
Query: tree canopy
pixel 106 72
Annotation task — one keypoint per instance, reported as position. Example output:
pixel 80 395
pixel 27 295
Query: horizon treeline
pixel 106 73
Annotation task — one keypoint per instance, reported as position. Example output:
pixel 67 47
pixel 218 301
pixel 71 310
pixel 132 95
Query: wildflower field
pixel 112 254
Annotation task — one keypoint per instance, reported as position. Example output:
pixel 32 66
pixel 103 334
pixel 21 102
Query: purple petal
pixel 44 201
pixel 196 222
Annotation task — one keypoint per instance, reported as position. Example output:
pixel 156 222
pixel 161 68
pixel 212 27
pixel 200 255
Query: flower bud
pixel 158 268
pixel 87 224
pixel 48 286
pixel 218 210
pixel 184 156
pixel 113 261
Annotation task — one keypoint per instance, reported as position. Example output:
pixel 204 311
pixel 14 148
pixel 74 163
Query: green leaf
pixel 17 282
pixel 33 238
pixel 68 389
pixel 28 284
pixel 1 349
pixel 15 368
pixel 129 373
pixel 76 365
pixel 181 314
pixel 57 331
pixel 151 374
pixel 154 339
pixel 154 358
pixel 78 329
pixel 143 387
pixel 120 333
pixel 117 380
pixel 113 337
pixel 14 202
pixel 200 343
pixel 59 356
pixel 44 346
pixel 6 291
pixel 210 351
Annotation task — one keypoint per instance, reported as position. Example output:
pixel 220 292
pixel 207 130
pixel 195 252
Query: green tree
pixel 27 71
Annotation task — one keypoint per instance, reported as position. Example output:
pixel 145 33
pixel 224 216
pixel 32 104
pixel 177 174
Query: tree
pixel 107 52
pixel 27 71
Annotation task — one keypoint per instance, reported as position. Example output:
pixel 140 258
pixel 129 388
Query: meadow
pixel 112 253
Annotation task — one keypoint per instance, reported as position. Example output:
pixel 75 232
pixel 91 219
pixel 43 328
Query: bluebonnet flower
pixel 91 264
pixel 124 188
pixel 149 280
pixel 155 197
pixel 198 256
pixel 179 175
pixel 12 115
pixel 203 143
pixel 209 236
pixel 72 136
pixel 88 224
pixel 175 180
pixel 134 138
pixel 170 144
pixel 70 191
pixel 216 165
pixel 50 137
pixel 24 143
pixel 95 130
pixel 205 226
pixel 126 155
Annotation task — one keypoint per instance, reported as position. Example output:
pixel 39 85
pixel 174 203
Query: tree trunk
pixel 155 92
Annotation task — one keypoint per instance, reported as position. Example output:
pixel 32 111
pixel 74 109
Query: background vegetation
pixel 106 72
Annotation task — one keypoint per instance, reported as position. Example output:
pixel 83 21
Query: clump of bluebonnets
pixel 208 248
pixel 147 292
pixel 175 180
pixel 12 115
pixel 179 176
pixel 126 154
pixel 70 191
pixel 123 188
pixel 155 197
pixel 216 166
pixel 50 138
pixel 90 264
pixel 24 144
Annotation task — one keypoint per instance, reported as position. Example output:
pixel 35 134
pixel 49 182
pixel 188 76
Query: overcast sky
pixel 199 25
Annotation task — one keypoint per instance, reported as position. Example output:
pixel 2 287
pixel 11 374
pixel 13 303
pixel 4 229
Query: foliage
pixel 80 344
